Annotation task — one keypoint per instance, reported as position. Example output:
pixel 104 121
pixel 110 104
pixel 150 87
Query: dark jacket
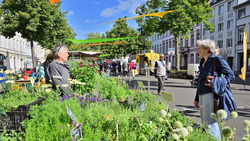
pixel 58 69
pixel 221 66
pixel 226 101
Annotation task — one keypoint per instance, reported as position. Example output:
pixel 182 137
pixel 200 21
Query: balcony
pixel 184 50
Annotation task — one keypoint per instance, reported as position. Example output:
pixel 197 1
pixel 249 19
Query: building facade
pixel 156 40
pixel 187 52
pixel 231 16
pixel 18 53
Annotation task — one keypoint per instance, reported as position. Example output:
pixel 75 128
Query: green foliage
pixel 189 13
pixel 6 135
pixel 11 100
pixel 130 46
pixel 108 88
pixel 84 72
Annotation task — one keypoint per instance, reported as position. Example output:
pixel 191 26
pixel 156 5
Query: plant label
pixel 73 117
pixel 130 100
pixel 76 133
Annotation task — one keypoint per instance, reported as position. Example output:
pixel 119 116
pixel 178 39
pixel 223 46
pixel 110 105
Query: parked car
pixel 28 71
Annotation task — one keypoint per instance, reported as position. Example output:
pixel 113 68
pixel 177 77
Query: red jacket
pixel 131 64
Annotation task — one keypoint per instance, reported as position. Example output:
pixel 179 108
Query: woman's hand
pixel 208 81
pixel 196 104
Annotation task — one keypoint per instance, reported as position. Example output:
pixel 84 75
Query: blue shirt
pixel 221 66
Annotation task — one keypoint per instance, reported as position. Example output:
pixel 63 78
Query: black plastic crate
pixel 13 119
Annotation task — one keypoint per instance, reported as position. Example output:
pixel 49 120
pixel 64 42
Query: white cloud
pixel 124 5
pixel 71 13
pixel 108 12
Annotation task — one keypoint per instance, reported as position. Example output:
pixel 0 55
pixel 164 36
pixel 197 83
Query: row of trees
pixel 38 20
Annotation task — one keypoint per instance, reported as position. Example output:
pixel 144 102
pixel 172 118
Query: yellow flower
pixel 69 79
pixel 50 81
pixel 1 71
pixel 8 71
pixel 19 75
pixel 57 77
pixel 1 78
pixel 48 90
pixel 46 85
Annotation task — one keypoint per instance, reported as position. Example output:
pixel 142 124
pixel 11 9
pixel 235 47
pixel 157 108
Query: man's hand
pixel 196 104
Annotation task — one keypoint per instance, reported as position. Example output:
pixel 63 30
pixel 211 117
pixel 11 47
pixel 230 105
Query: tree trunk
pixel 177 57
pixel 32 53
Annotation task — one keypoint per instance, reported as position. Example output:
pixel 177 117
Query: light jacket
pixel 226 101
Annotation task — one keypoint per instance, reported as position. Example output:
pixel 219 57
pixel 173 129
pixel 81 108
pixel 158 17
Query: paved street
pixel 184 96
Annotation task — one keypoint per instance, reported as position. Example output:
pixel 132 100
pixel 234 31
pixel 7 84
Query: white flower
pixel 80 83
pixel 169 115
pixel 46 85
pixel 190 129
pixel 8 71
pixel 247 123
pixel 73 81
pixel 183 132
pixel 160 119
pixel 69 79
pixel 234 114
pixel 10 81
pixel 178 124
pixel 163 113
pixel 48 90
pixel 175 136
pixel 65 85
pixel 222 114
pixel 213 116
pixel 57 77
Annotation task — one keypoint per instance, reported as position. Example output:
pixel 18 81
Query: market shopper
pixel 58 72
pixel 210 65
pixel 160 72
pixel 131 69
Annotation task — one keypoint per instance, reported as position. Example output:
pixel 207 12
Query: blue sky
pixel 85 15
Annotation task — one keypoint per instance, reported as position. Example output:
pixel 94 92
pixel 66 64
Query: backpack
pixel 134 67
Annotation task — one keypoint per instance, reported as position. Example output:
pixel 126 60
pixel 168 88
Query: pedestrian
pixel 204 98
pixel 119 67
pixel 145 66
pixel 58 72
pixel 114 65
pixel 217 51
pixel 160 72
pixel 125 68
pixel 132 71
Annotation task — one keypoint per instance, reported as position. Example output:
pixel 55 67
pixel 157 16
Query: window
pixel 230 24
pixel 230 6
pixel 213 11
pixel 173 44
pixel 242 13
pixel 197 58
pixel 170 45
pixel 186 43
pixel 220 27
pixel 192 40
pixel 240 35
pixel 198 35
pixel 181 45
pixel 160 48
pixel 204 31
pixel 192 59
pixel 214 1
pixel 221 9
pixel 229 42
pixel 220 43
pixel 166 45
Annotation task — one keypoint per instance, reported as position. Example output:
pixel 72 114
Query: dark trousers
pixel 160 83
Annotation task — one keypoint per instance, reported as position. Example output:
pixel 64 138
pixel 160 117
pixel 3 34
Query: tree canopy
pixel 129 46
pixel 188 14
pixel 35 20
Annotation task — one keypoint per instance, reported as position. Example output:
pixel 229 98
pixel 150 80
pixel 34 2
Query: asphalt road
pixel 184 96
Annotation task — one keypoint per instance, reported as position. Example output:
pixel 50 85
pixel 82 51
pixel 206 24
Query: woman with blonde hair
pixel 204 98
